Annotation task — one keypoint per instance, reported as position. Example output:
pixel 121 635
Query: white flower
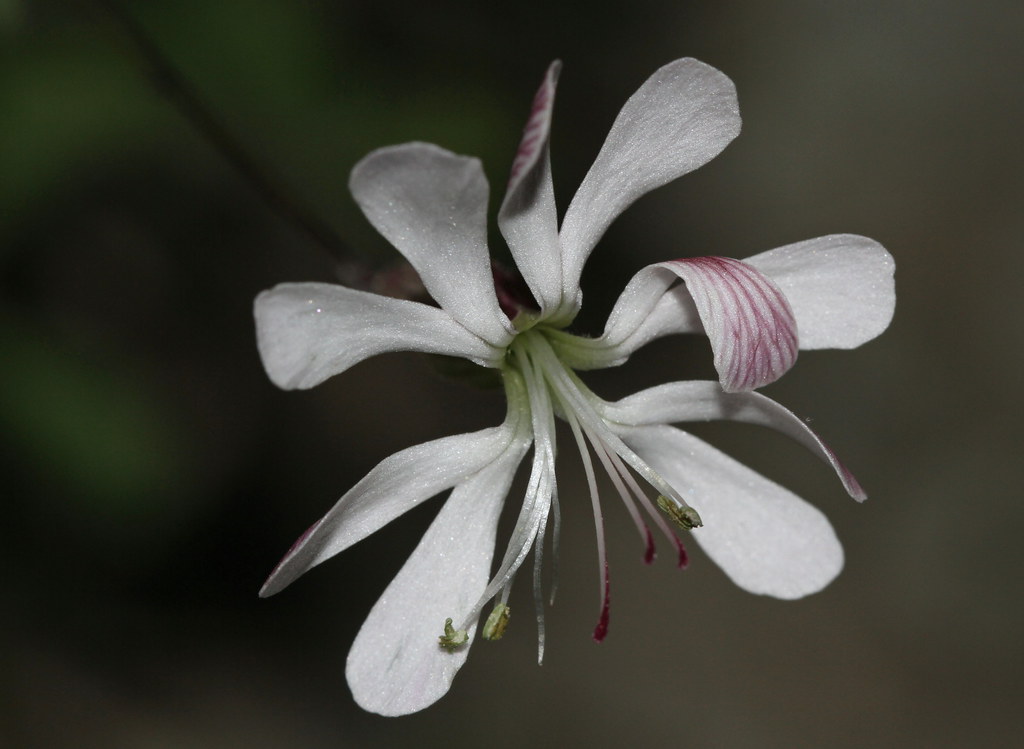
pixel 834 291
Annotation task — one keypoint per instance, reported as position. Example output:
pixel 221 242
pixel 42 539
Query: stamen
pixel 651 552
pixel 556 535
pixel 659 520
pixel 601 451
pixel 523 535
pixel 494 627
pixel 452 638
pixel 538 586
pixel 601 630
pixel 543 416
pixel 616 475
pixel 595 503
pixel 570 391
pixel 685 517
pixel 539 490
pixel 549 383
pixel 507 589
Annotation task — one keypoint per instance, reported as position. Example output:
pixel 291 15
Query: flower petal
pixel 646 309
pixel 528 219
pixel 396 666
pixel 765 538
pixel 705 401
pixel 432 206
pixel 307 332
pixel 395 486
pixel 674 312
pixel 747 319
pixel 841 288
pixel 679 119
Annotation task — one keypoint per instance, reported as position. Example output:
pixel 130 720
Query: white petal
pixel 765 538
pixel 705 401
pixel 679 119
pixel 307 332
pixel 396 665
pixel 646 309
pixel 636 303
pixel 395 486
pixel 528 219
pixel 674 312
pixel 841 288
pixel 432 206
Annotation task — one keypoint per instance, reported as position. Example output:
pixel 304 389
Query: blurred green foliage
pixel 92 434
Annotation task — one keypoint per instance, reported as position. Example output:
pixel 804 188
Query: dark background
pixel 152 476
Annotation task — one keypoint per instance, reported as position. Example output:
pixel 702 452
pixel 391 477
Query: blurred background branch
pixel 172 85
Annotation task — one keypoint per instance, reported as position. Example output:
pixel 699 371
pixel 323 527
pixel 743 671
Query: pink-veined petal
pixel 396 665
pixel 395 486
pixel 307 332
pixel 840 287
pixel 432 206
pixel 679 119
pixel 767 540
pixel 528 218
pixel 747 319
pixel 705 401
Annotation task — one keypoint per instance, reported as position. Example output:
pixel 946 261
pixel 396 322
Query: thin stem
pixel 174 87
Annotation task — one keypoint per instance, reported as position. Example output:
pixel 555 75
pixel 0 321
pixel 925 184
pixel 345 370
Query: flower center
pixel 535 353
pixel 539 381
